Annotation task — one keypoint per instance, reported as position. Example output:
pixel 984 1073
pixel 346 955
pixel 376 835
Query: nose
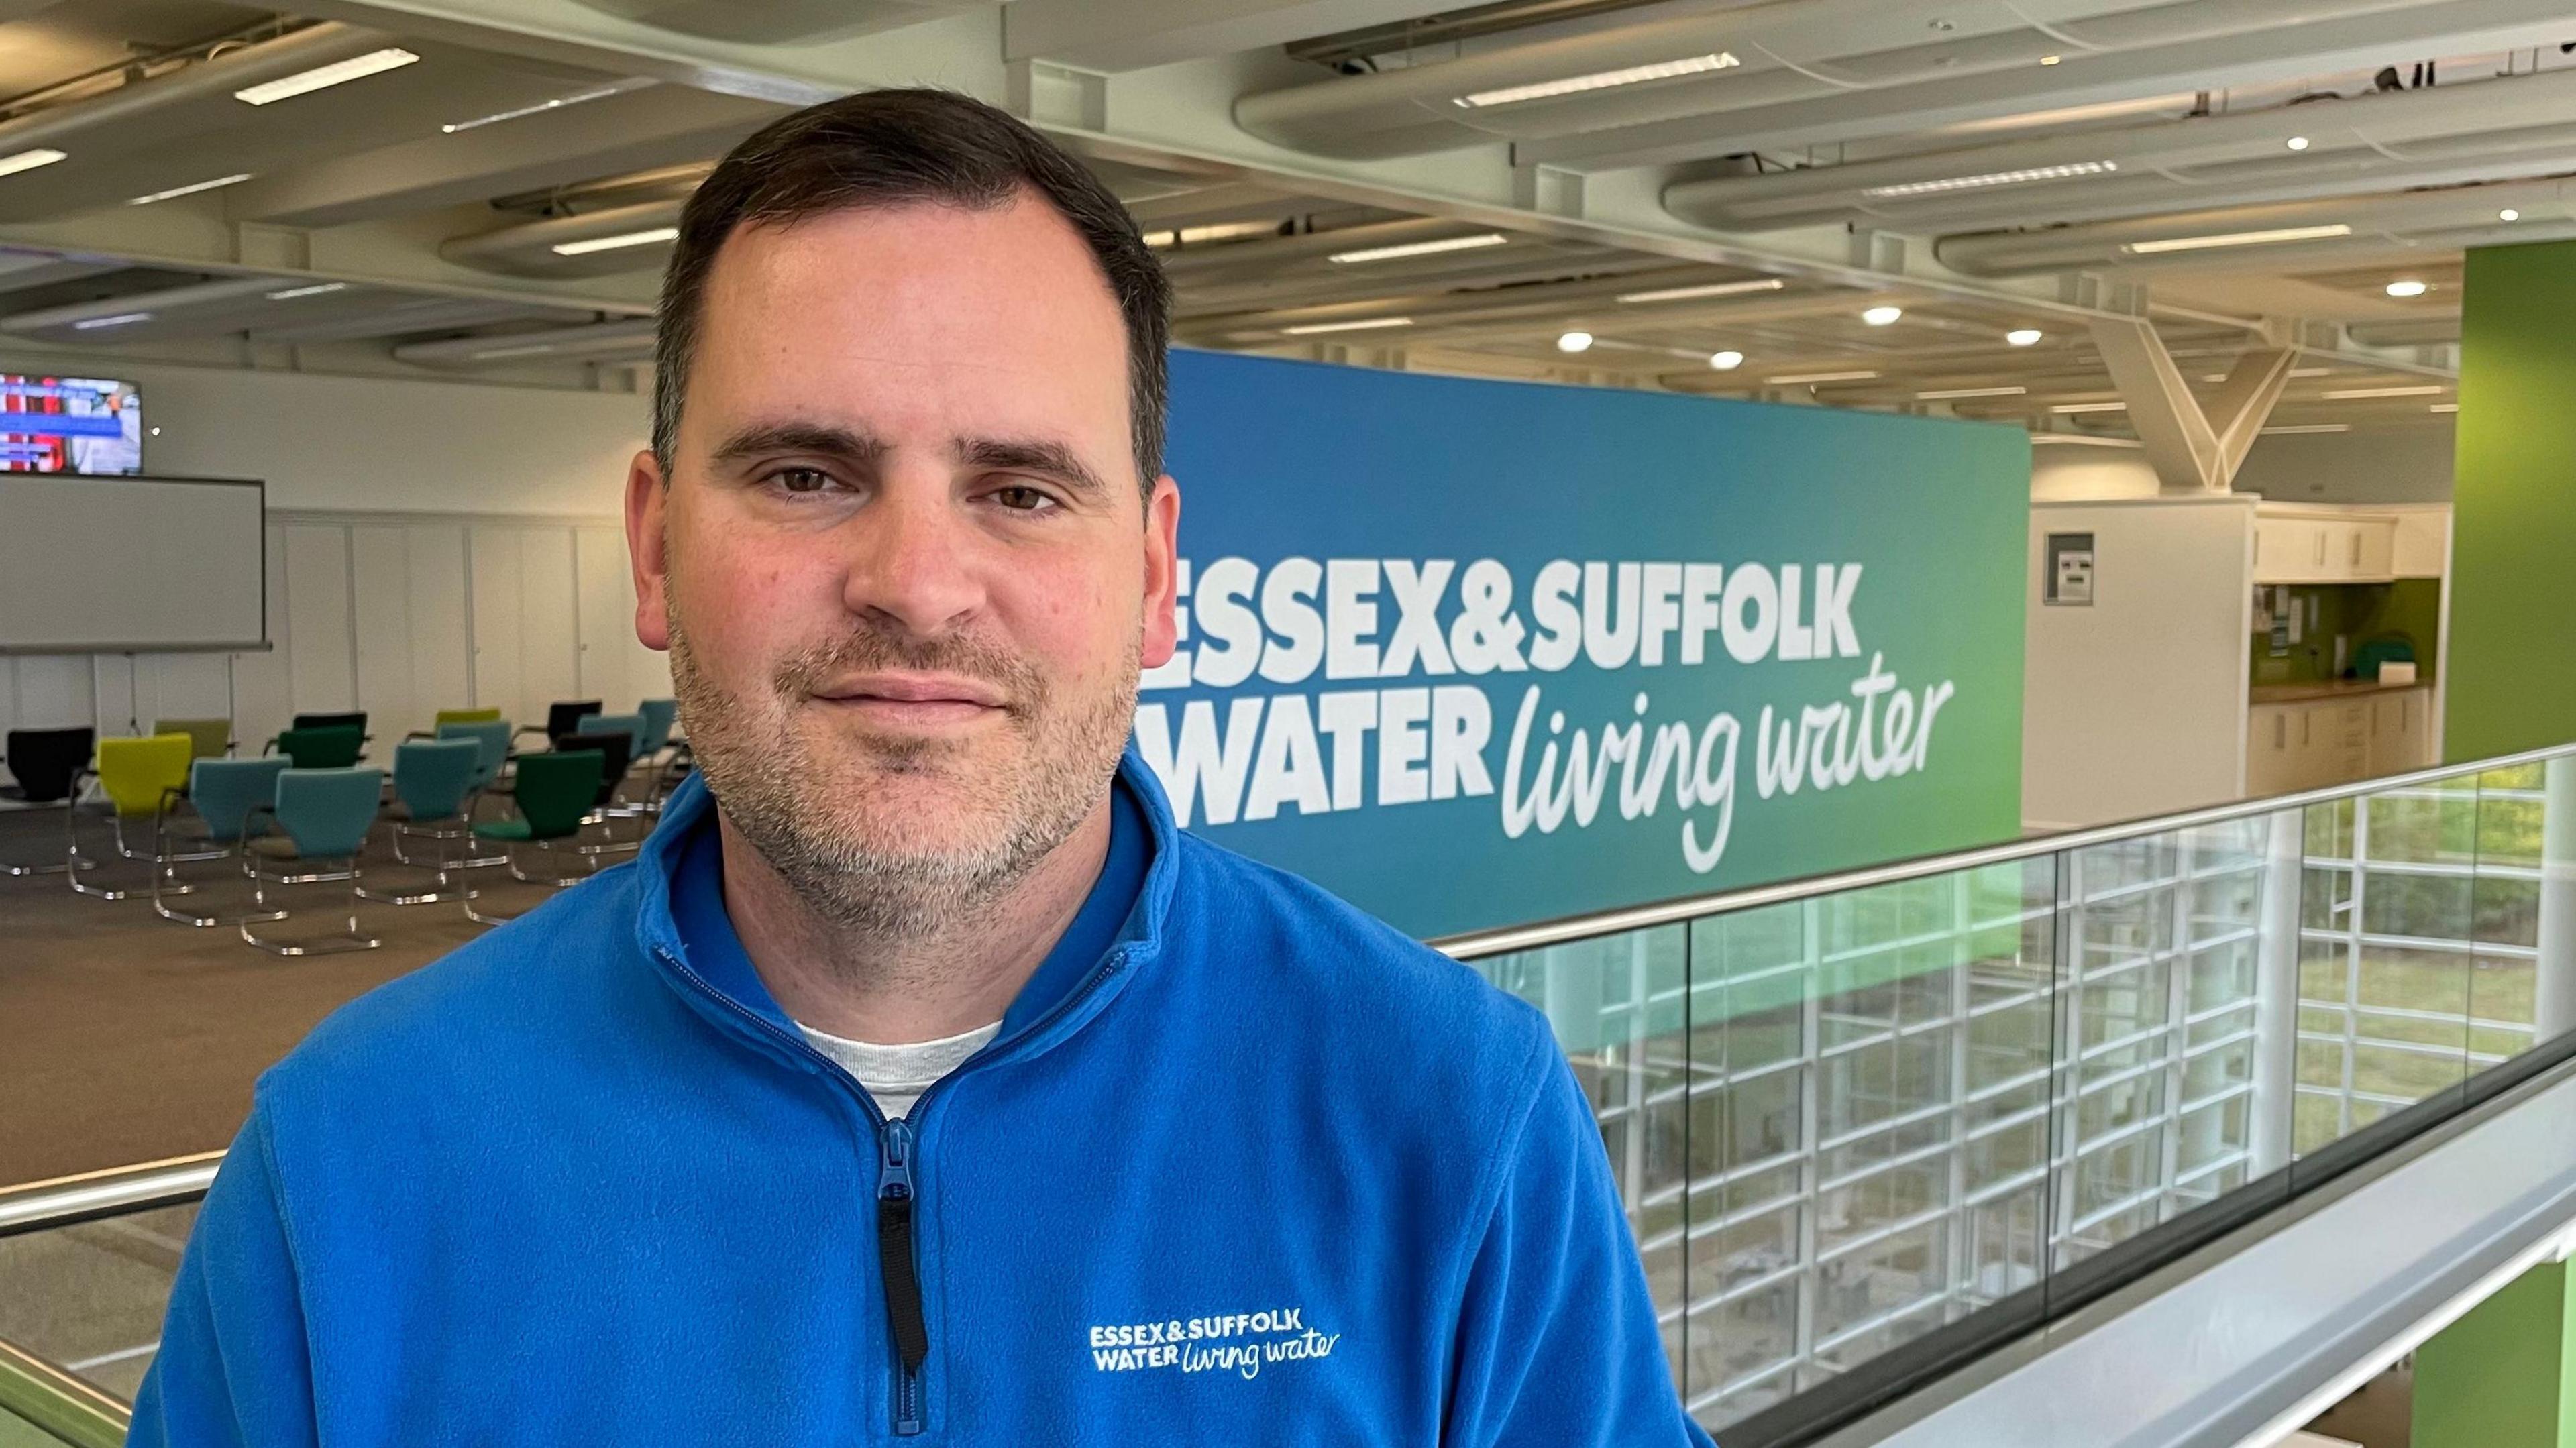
pixel 912 562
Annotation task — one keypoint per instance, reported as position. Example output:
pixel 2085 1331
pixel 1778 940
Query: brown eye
pixel 802 480
pixel 1021 499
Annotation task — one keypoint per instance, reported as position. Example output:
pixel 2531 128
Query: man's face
pixel 903 564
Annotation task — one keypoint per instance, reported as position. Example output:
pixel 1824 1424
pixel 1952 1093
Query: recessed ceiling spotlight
pixel 1882 316
pixel 1574 342
pixel 2297 143
pixel 2023 336
pixel 1726 361
pixel 2051 59
pixel 2408 288
pixel 2508 214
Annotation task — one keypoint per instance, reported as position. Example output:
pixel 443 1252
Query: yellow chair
pixel 136 775
pixel 463 716
pixel 213 737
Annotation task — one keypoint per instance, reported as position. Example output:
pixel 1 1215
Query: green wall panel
pixel 2512 654
pixel 2498 1377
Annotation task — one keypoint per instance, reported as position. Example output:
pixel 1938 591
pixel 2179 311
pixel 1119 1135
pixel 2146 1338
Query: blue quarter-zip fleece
pixel 1264 1172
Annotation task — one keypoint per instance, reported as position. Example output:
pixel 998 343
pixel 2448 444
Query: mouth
pixel 913 701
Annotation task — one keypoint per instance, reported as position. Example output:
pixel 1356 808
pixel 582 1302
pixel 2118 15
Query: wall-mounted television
pixel 70 425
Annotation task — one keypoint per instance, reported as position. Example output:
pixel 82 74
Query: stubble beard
pixel 883 869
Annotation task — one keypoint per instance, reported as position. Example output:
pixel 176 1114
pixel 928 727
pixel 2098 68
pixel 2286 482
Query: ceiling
pixel 1868 203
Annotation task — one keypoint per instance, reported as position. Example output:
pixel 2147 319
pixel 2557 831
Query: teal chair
pixel 321 818
pixel 554 795
pixel 223 793
pixel 492 738
pixel 662 753
pixel 660 715
pixel 433 794
pixel 333 746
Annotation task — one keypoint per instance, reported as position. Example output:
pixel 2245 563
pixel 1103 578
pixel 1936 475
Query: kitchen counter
pixel 2329 689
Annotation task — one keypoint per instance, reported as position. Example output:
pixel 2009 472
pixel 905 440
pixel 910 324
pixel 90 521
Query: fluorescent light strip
pixel 618 242
pixel 315 290
pixel 29 160
pixel 2356 394
pixel 1793 379
pixel 556 103
pixel 1601 80
pixel 1220 231
pixel 121 319
pixel 2446 407
pixel 2306 427
pixel 232 180
pixel 1421 248
pixel 2235 238
pixel 1948 394
pixel 1713 289
pixel 531 350
pixel 1311 329
pixel 2065 408
pixel 340 72
pixel 1992 178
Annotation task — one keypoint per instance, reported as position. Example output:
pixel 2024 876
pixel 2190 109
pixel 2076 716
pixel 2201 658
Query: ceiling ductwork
pixel 2406 332
pixel 1698 68
pixel 778 22
pixel 2473 130
pixel 110 319
pixel 626 339
pixel 2328 228
pixel 596 243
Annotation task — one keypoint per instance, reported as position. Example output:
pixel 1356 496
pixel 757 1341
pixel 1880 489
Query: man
pixel 919 1080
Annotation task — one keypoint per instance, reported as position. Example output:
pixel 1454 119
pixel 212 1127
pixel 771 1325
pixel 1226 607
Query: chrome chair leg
pixel 333 944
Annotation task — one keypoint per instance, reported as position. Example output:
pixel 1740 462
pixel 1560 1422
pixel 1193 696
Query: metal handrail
pixel 61 1201
pixel 57 1403
pixel 1476 944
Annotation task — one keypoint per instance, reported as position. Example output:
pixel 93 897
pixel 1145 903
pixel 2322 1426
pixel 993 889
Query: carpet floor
pixel 127 1038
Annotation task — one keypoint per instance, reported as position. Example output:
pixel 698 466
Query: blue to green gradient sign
pixel 1482 653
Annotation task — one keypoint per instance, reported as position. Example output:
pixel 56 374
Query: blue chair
pixel 322 817
pixel 223 793
pixel 491 736
pixel 433 793
pixel 660 715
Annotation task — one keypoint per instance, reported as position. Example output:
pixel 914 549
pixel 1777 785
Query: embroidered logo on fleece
pixel 1239 1342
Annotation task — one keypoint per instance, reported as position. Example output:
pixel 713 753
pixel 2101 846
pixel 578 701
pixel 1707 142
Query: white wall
pixel 431 545
pixel 2136 705
pixel 2069 472
pixel 2379 465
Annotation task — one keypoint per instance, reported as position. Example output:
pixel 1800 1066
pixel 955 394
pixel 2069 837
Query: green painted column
pixel 2502 1376
pixel 2512 654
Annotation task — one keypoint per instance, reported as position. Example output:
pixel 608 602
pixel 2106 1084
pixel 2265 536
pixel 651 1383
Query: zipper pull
pixel 904 1317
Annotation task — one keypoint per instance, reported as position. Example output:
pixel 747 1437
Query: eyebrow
pixel 1053 459
pixel 771 438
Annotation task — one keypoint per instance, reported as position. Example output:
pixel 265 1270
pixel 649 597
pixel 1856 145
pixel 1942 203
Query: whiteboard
pixel 108 565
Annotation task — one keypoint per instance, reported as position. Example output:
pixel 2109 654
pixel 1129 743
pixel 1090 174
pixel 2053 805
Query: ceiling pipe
pixel 158 303
pixel 2372 221
pixel 290 54
pixel 632 336
pixel 2406 332
pixel 528 249
pixel 2245 152
pixel 662 183
pixel 1776 53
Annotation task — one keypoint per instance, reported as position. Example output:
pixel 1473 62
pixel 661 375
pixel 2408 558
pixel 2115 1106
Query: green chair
pixel 223 794
pixel 321 818
pixel 213 737
pixel 433 794
pixel 492 741
pixel 554 796
pixel 332 746
pixel 134 774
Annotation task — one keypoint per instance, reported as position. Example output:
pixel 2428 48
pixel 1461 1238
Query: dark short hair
pixel 902 147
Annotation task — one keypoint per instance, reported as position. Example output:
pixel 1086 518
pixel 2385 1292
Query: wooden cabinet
pixel 2316 545
pixel 2312 743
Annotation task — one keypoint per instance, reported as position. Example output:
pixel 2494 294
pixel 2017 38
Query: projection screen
pixel 113 564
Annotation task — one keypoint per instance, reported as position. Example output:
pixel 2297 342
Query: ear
pixel 648 501
pixel 1162 572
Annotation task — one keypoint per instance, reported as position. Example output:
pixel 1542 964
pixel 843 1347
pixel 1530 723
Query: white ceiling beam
pixel 660 126
pixel 2452 27
pixel 1122 35
pixel 2193 449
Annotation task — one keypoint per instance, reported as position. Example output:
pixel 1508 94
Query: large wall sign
pixel 1483 653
